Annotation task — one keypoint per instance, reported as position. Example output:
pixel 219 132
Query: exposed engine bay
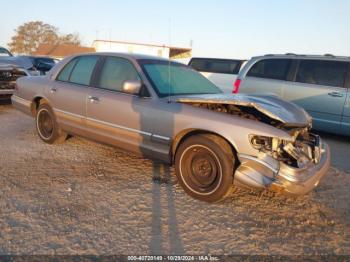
pixel 304 149
pixel 241 111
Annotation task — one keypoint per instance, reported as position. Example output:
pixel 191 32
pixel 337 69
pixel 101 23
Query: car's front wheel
pixel 47 126
pixel 205 166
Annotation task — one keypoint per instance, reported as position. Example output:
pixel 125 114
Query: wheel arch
pixel 35 104
pixel 184 134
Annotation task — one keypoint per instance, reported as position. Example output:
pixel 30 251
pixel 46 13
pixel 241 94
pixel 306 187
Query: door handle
pixel 335 94
pixel 53 90
pixel 93 99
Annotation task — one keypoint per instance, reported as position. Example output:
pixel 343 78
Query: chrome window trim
pixel 117 92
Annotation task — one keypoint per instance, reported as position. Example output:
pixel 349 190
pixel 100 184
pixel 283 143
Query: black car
pixel 41 63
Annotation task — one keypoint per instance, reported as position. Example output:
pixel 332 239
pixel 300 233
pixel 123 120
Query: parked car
pixel 319 84
pixel 43 64
pixel 222 72
pixel 5 52
pixel 13 67
pixel 168 111
pixel 9 72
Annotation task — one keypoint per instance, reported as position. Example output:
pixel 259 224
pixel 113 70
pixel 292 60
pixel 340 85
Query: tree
pixel 30 35
pixel 72 39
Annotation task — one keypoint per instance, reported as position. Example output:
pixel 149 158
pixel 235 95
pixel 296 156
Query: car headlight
pixel 264 143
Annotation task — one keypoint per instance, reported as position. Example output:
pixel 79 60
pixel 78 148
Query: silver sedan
pixel 168 111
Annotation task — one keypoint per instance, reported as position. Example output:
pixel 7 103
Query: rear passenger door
pixel 267 76
pixel 319 88
pixel 68 93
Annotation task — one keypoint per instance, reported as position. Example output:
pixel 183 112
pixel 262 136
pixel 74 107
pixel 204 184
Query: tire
pixel 47 126
pixel 205 165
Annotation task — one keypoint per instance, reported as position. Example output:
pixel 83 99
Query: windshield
pixel 183 79
pixel 38 60
pixel 4 52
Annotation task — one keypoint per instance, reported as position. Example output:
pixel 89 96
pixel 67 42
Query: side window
pixel 199 64
pixel 271 69
pixel 216 66
pixel 82 71
pixel 67 69
pixel 115 72
pixel 328 73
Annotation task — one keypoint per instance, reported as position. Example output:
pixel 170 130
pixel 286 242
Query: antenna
pixel 110 39
pixel 169 77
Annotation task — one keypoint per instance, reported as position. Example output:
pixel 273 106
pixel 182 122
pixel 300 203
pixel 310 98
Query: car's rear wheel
pixel 47 126
pixel 205 166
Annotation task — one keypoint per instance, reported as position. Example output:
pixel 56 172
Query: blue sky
pixel 218 28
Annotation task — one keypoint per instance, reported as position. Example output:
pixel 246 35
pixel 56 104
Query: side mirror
pixel 132 87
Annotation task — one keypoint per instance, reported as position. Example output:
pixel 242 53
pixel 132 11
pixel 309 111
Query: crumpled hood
pixel 20 62
pixel 272 106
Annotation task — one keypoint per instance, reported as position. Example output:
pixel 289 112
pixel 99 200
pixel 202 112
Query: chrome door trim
pixel 68 113
pixel 161 137
pixel 119 126
pixel 164 138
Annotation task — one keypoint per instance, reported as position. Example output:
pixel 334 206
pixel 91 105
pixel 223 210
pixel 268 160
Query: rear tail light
pixel 236 86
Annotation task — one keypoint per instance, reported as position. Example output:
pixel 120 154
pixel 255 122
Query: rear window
pixel 65 72
pixel 328 73
pixel 82 71
pixel 271 68
pixel 216 65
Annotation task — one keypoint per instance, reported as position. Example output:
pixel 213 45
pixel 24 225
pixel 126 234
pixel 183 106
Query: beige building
pixel 62 50
pixel 140 48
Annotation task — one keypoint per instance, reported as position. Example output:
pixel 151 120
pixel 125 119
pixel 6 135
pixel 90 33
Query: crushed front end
pixel 8 76
pixel 294 167
pixel 294 164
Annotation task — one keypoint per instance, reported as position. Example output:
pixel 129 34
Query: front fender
pixel 236 134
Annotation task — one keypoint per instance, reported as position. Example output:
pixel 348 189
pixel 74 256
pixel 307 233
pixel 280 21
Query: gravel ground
pixel 340 148
pixel 85 198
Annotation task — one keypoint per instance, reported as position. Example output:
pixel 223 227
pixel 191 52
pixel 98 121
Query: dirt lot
pixel 85 198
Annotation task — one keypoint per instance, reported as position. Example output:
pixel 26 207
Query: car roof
pixel 35 56
pixel 126 55
pixel 217 59
pixel 4 49
pixel 302 56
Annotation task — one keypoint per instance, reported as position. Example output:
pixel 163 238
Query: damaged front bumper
pixel 264 171
pixel 8 76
